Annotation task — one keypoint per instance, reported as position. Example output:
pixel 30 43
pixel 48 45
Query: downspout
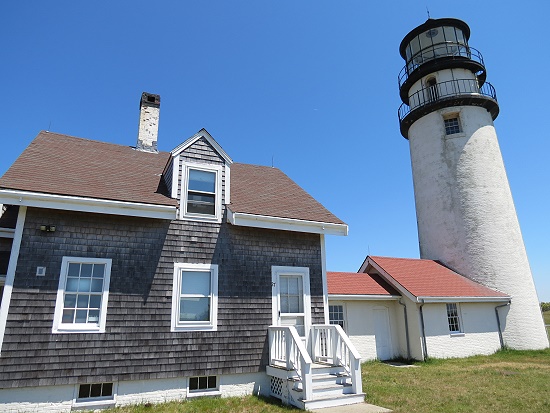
pixel 406 328
pixel 424 348
pixel 498 323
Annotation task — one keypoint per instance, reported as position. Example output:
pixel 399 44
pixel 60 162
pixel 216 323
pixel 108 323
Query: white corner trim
pixel 465 299
pixel 175 176
pixel 325 279
pixel 81 204
pixel 7 232
pixel 363 297
pixel 227 183
pixel 8 286
pixel 285 224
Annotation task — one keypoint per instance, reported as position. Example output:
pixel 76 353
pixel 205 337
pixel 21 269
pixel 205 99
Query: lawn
pixel 506 382
pixel 546 316
pixel 509 381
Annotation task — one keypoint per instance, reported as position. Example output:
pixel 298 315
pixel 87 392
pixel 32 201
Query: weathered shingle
pixel 65 165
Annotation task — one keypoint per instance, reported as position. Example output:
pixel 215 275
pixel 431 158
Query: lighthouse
pixel 464 207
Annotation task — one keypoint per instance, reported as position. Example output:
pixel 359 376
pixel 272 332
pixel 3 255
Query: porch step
pixel 332 401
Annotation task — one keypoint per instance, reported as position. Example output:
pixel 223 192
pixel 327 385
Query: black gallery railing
pixel 446 90
pixel 447 50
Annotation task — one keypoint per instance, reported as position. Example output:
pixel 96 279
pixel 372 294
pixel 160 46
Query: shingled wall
pixel 137 343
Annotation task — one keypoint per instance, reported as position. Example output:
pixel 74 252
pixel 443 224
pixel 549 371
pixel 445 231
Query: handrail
pixel 286 349
pixel 331 343
pixel 447 49
pixel 445 90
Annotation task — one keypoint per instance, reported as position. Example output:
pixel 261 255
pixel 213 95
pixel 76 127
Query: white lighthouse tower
pixel 464 207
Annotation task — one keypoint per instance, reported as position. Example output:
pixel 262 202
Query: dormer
pixel 198 177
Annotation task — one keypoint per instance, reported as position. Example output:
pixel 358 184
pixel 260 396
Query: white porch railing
pixel 287 350
pixel 331 344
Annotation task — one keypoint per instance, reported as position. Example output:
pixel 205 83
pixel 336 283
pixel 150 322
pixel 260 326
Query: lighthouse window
pixel 452 125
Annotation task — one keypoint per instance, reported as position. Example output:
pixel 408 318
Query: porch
pixel 324 370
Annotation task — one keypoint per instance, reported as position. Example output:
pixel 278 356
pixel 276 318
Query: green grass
pixel 247 404
pixel 505 382
pixel 546 316
pixel 508 381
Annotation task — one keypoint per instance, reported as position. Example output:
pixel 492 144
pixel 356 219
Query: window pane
pixel 97 285
pixel 93 316
pixel 200 208
pixel 68 316
pixel 195 282
pixel 74 270
pixel 203 382
pixel 81 316
pixel 211 382
pixel 82 301
pixel 202 181
pixel 107 389
pixel 284 304
pixel 70 301
pixel 99 271
pixel 84 285
pixel 193 383
pixel 72 284
pixel 84 391
pixel 294 305
pixel 95 301
pixel 96 390
pixel 86 270
pixel 195 309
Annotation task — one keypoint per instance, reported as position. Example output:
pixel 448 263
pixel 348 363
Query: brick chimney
pixel 149 113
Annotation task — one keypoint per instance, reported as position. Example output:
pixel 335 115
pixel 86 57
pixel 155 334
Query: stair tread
pixel 339 396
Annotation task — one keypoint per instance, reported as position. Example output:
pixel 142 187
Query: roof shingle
pixel 262 190
pixel 352 283
pixel 428 278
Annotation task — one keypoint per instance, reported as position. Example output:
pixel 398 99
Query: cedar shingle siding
pixel 137 343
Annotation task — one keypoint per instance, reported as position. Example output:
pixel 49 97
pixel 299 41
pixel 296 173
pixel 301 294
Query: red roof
pixel 427 278
pixel 262 190
pixel 353 283
pixel 65 165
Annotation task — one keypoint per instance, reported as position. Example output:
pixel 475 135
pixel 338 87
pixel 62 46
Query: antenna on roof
pixel 427 11
pixel 49 126
pixel 272 161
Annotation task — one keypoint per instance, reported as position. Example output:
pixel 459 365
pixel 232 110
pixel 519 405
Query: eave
pixel 285 224
pixel 362 297
pixel 465 299
pixel 82 204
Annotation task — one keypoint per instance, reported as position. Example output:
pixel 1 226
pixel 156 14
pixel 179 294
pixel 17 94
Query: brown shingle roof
pixel 261 190
pixel 65 165
pixel 352 283
pixel 427 278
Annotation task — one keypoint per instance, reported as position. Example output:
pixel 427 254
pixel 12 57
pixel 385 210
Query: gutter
pixel 424 347
pixel 498 323
pixel 406 329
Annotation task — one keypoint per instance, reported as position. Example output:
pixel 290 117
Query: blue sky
pixel 308 85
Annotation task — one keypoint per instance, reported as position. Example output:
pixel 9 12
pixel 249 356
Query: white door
pixel 291 301
pixel 382 333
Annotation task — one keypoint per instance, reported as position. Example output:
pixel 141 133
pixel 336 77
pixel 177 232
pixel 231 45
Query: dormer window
pixel 201 192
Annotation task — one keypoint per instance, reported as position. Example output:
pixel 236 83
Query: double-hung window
pixel 453 318
pixel 201 197
pixel 195 297
pixel 82 294
pixel 336 314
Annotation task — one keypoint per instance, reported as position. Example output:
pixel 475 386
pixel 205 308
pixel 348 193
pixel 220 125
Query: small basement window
pixel 95 391
pixel 452 125
pixel 203 383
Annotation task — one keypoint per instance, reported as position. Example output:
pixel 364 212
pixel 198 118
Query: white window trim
pixel 184 215
pixel 211 325
pixel 58 326
pixel 344 312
